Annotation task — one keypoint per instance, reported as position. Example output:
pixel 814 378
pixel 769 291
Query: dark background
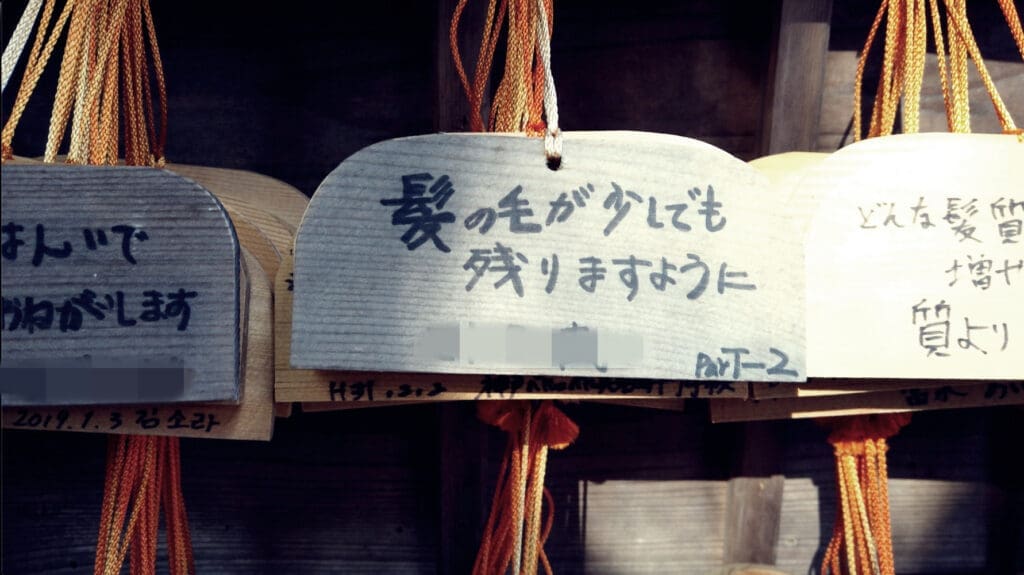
pixel 290 90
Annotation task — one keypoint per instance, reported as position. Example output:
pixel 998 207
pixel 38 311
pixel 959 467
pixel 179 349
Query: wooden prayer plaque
pixel 120 286
pixel 251 419
pixel 643 256
pixel 915 259
pixel 322 390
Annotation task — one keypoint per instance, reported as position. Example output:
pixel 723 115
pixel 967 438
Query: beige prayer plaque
pixel 915 260
pixel 644 256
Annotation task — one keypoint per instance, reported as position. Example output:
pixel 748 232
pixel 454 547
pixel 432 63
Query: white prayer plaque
pixel 644 255
pixel 120 286
pixel 915 259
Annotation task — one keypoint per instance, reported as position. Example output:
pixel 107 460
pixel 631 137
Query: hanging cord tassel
pixel 40 54
pixel 16 45
pixel 106 68
pixel 552 135
pixel 514 535
pixel 110 62
pixel 525 99
pixel 861 542
pixel 903 65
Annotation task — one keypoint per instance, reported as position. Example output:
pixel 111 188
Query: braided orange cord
pixel 878 499
pixel 143 540
pixel 940 53
pixel 107 135
pixel 535 124
pixel 830 560
pixel 887 96
pixel 42 49
pixel 511 525
pixel 115 457
pixel 1013 20
pixel 179 540
pixel 158 136
pixel 493 22
pixel 861 65
pixel 484 554
pixel 78 148
pixel 959 83
pixel 534 506
pixel 885 551
pixel 549 523
pixel 958 19
pixel 913 71
pixel 70 71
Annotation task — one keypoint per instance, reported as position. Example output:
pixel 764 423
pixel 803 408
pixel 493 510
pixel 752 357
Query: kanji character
pixel 954 269
pixel 933 332
pixel 1010 231
pixel 515 209
pixel 916 397
pixel 981 271
pixel 416 210
pixel 958 216
pixel 501 260
pixel 618 200
pixel 1004 207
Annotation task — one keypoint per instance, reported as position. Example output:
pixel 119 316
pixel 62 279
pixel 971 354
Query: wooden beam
pixel 752 512
pixel 792 108
pixel 797 77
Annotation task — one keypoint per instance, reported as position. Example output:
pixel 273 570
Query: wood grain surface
pixel 251 419
pixel 897 398
pixel 913 269
pixel 344 389
pixel 375 292
pixel 176 239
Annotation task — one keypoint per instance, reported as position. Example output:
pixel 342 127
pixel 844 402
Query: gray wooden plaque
pixel 644 255
pixel 119 285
